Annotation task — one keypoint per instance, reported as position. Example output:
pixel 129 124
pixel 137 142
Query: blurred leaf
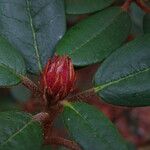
pixel 94 38
pixel 33 27
pixel 86 6
pixel 119 2
pixel 131 146
pixel 91 129
pixel 12 65
pixel 124 78
pixel 20 93
pixel 74 19
pixel 7 104
pixel 46 147
pixel 146 24
pixel 62 148
pixel 147 2
pixel 19 132
pixel 136 15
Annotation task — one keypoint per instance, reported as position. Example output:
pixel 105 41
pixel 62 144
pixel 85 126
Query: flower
pixel 58 78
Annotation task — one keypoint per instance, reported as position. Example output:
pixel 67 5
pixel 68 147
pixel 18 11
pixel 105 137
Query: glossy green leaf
pixel 12 65
pixel 34 27
pixel 18 131
pixel 146 24
pixel 91 129
pixel 124 78
pixel 86 6
pixel 94 38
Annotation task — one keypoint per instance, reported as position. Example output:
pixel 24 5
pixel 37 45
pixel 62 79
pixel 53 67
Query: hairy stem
pixel 32 86
pixel 126 5
pixel 66 143
pixel 82 95
pixel 54 112
pixel 143 6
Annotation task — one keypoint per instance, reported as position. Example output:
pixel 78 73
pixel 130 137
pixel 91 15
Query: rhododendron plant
pixel 72 73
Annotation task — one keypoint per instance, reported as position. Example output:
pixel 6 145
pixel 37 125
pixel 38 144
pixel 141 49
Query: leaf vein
pixel 101 87
pixel 93 37
pixel 34 36
pixel 16 133
pixel 89 124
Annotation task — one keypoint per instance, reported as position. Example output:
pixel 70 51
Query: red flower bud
pixel 58 78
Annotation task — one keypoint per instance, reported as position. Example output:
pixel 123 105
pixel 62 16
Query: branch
pixel 54 112
pixel 126 5
pixel 41 117
pixel 143 6
pixel 66 143
pixel 49 123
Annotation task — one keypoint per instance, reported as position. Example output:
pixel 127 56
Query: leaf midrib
pixel 34 35
pixel 95 35
pixel 16 133
pixel 101 87
pixel 88 123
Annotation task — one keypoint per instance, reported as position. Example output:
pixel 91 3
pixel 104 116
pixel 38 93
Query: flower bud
pixel 58 78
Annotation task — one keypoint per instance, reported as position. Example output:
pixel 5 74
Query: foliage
pixel 105 35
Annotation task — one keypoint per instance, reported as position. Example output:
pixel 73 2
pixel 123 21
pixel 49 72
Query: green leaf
pixel 146 24
pixel 124 78
pixel 136 15
pixel 131 146
pixel 46 147
pixel 12 65
pixel 8 104
pixel 62 148
pixel 86 6
pixel 18 131
pixel 34 27
pixel 94 38
pixel 21 93
pixel 90 128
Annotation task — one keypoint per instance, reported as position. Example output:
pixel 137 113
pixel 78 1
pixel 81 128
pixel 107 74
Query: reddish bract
pixel 58 78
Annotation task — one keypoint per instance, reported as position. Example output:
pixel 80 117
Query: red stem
pixel 126 5
pixel 54 113
pixel 66 143
pixel 143 6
